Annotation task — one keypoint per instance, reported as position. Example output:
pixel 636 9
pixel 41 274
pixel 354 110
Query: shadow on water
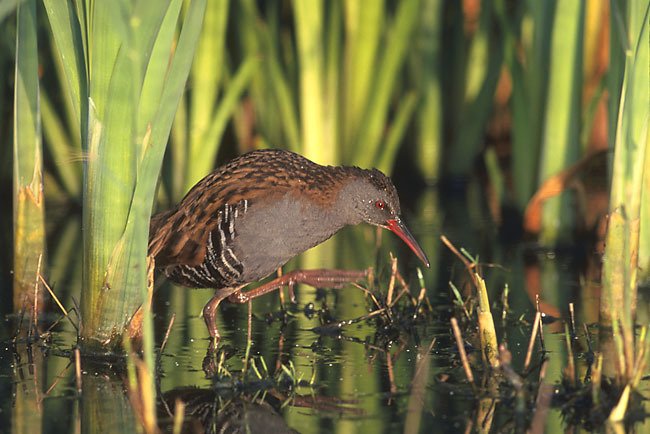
pixel 350 360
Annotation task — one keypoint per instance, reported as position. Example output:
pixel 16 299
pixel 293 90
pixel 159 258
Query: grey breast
pixel 269 236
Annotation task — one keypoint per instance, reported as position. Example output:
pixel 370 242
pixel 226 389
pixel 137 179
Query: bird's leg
pixel 316 278
pixel 210 312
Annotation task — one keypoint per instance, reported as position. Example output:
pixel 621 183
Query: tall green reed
pixel 29 215
pixel 331 90
pixel 427 68
pixel 125 73
pixel 620 268
pixel 529 75
pixel 561 126
pixel 210 99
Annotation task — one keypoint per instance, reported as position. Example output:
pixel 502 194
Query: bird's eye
pixel 380 204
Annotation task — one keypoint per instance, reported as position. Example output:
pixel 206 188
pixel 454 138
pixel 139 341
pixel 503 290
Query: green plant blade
pixel 29 216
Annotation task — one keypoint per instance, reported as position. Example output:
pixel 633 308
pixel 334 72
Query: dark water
pixel 372 375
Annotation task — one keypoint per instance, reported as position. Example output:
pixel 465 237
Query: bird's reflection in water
pixel 209 411
pixel 205 411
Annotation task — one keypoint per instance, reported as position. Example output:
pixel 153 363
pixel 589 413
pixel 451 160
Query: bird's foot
pixel 213 360
pixel 210 314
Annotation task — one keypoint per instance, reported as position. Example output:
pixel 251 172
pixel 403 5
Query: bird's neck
pixel 349 200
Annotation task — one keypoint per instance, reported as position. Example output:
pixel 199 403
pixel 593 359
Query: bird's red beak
pixel 402 231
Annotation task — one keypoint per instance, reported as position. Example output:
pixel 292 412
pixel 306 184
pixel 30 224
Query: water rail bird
pixel 249 217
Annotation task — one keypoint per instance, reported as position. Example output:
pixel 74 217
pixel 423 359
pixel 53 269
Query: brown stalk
pixel 56 381
pixel 391 282
pixel 179 415
pixel 77 369
pixel 505 362
pixel 570 370
pixel 418 389
pixel 391 376
pixel 573 319
pixel 542 406
pixel 167 332
pixel 58 303
pixel 468 265
pixel 36 285
pixel 541 328
pixel 461 351
pixel 531 342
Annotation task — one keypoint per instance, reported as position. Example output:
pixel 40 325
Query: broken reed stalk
pixel 249 335
pixel 418 388
pixel 572 317
pixel 461 351
pixel 179 416
pixel 167 332
pixel 468 265
pixel 391 282
pixel 619 410
pixel 542 402
pixel 422 296
pixel 641 360
pixel 531 342
pixel 141 389
pixel 35 306
pixel 518 383
pixel 541 329
pixel 58 302
pixel 391 375
pixel 596 380
pixel 487 331
pixel 77 369
pixel 570 369
pixel 504 302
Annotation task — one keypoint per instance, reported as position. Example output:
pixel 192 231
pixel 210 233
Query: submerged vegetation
pixel 530 115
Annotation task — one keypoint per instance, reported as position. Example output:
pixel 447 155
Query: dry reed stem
pixel 56 381
pixel 36 285
pixel 77 369
pixel 418 389
pixel 179 416
pixel 281 290
pixel 391 377
pixel 399 296
pixel 147 401
pixel 66 314
pixel 570 370
pixel 461 351
pixel 542 406
pixel 249 333
pixel 53 295
pixel 468 265
pixel 596 380
pixel 486 408
pixel 400 279
pixel 487 330
pixel 531 342
pixel 167 333
pixel 505 362
pixel 541 324
pixel 619 410
pixel 391 282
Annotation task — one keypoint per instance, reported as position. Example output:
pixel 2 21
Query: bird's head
pixel 374 200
